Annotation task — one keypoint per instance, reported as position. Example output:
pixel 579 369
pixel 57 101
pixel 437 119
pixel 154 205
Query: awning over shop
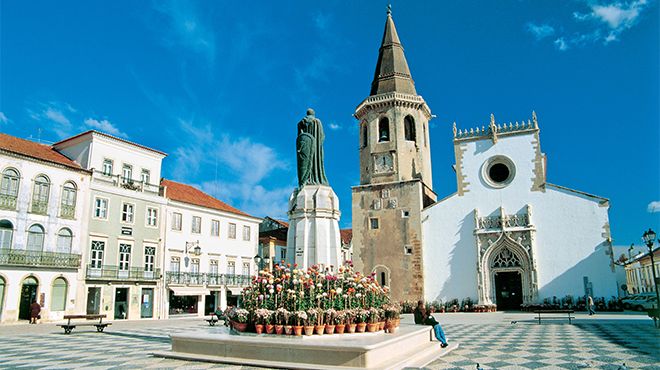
pixel 235 291
pixel 189 290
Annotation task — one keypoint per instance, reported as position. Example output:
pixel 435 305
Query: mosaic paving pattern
pixel 523 345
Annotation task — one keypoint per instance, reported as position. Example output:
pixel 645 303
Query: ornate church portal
pixel 506 271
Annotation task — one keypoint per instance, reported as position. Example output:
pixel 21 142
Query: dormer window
pixel 383 130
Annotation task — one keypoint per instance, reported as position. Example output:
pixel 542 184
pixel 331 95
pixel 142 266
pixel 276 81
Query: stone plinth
pixel 313 236
pixel 411 346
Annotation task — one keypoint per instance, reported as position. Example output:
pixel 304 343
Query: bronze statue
pixel 309 147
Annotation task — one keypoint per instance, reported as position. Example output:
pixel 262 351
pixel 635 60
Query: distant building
pixel 209 251
pixel 43 221
pixel 123 252
pixel 272 241
pixel 639 275
pixel 346 244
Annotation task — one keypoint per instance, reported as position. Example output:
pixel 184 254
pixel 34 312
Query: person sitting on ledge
pixel 426 318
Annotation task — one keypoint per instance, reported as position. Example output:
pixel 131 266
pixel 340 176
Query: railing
pixel 21 257
pixel 40 208
pixel 8 202
pixel 68 212
pixel 121 182
pixel 106 272
pixel 187 278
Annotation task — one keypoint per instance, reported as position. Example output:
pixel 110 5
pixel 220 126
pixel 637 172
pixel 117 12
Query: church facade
pixel 506 237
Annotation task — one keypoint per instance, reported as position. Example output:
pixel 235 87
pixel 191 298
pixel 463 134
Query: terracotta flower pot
pixel 309 330
pixel 259 328
pixel 279 329
pixel 398 322
pixel 318 329
pixel 360 327
pixel 339 329
pixel 381 325
pixel 288 329
pixel 329 329
pixel 372 327
pixel 239 326
pixel 270 328
pixel 391 328
pixel 297 330
pixel 351 328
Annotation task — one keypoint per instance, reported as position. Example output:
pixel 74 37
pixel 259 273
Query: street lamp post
pixel 649 239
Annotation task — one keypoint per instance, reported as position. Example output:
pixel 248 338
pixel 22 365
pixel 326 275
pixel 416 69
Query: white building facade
pixel 123 241
pixel 209 252
pixel 43 217
pixel 508 237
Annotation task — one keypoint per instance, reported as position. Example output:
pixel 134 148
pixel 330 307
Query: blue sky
pixel 220 86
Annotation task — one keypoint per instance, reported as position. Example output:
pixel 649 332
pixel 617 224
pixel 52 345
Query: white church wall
pixel 572 230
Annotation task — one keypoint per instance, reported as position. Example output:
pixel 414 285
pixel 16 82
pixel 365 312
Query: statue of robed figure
pixel 309 147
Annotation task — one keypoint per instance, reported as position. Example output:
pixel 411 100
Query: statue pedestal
pixel 313 236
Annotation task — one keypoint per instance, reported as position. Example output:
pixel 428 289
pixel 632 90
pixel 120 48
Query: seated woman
pixel 424 318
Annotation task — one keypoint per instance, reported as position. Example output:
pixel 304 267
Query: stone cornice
pixel 392 99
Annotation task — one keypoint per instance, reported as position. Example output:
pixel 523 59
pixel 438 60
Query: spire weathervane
pixel 389 9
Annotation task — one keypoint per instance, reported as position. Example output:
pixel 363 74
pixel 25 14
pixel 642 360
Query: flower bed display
pixel 317 300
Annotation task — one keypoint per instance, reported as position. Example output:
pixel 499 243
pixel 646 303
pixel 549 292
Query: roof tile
pixel 191 195
pixel 35 150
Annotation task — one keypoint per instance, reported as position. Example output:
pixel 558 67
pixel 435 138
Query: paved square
pixel 492 340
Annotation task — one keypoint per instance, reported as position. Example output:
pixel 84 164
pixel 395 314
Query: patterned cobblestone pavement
pixel 494 341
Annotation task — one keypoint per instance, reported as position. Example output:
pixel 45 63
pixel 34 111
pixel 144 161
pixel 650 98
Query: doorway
pixel 147 307
pixel 93 300
pixel 508 290
pixel 210 302
pixel 121 303
pixel 2 295
pixel 28 295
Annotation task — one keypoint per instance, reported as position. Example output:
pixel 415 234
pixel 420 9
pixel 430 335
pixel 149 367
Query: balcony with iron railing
pixel 68 211
pixel 107 272
pixel 39 207
pixel 21 257
pixel 122 182
pixel 187 278
pixel 8 202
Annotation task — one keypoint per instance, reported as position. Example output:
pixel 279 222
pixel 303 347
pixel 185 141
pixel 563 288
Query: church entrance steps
pixel 409 347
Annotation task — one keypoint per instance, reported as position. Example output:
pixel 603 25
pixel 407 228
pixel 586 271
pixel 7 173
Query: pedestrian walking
pixel 35 312
pixel 590 304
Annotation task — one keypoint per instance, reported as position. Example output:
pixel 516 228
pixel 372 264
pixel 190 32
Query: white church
pixel 506 236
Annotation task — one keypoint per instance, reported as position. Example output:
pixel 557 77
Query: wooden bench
pixel 568 312
pixel 68 327
pixel 215 318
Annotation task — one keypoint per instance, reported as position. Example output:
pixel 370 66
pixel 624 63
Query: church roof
pixel 392 73
pixel 346 235
pixel 187 194
pixel 34 150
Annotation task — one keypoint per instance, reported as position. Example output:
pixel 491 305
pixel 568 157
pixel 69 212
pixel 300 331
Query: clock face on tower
pixel 383 163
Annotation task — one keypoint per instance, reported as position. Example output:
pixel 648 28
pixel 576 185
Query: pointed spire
pixel 392 73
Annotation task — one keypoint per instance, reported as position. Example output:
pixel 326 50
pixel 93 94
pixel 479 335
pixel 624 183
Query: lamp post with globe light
pixel 649 239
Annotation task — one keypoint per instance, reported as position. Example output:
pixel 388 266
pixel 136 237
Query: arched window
pixel 68 206
pixel 383 278
pixel 35 240
pixel 58 300
pixel 64 240
pixel 40 194
pixel 365 134
pixel 10 181
pixel 409 128
pixel 6 233
pixel 384 129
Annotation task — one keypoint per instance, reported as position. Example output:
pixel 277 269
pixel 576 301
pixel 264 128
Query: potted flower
pixel 269 319
pixel 240 319
pixel 320 326
pixel 340 322
pixel 281 318
pixel 350 321
pixel 372 325
pixel 381 319
pixel 260 316
pixel 361 316
pixel 301 318
pixel 330 315
pixel 392 314
pixel 310 321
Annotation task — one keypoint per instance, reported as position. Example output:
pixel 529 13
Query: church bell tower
pixel 395 174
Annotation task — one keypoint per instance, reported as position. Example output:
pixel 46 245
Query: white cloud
pixel 3 118
pixel 540 31
pixel 105 126
pixel 334 126
pixel 654 206
pixel 561 44
pixel 57 116
pixel 239 167
pixel 618 14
